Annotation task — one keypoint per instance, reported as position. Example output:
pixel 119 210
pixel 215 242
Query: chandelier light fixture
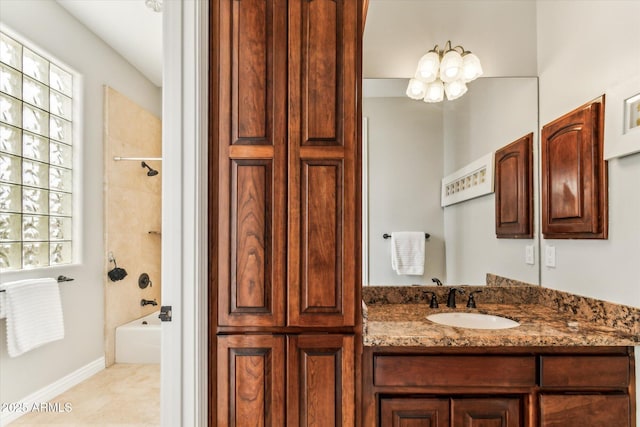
pixel 155 5
pixel 445 71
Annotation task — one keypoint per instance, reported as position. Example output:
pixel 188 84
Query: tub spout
pixel 144 302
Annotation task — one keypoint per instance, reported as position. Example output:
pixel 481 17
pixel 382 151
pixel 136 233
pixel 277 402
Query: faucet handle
pixel 472 301
pixel 434 300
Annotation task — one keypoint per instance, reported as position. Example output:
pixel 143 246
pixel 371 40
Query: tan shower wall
pixel 132 209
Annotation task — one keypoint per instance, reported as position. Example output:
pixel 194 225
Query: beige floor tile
pixel 123 395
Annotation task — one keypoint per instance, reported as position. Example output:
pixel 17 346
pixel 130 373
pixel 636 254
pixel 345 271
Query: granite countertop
pixel 396 316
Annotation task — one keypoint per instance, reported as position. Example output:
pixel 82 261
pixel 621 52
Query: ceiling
pixel 502 33
pixel 128 26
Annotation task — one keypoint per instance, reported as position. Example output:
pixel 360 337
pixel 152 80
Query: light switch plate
pixel 550 256
pixel 529 256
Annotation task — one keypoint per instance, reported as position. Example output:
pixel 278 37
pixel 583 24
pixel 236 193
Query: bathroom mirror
pixel 409 146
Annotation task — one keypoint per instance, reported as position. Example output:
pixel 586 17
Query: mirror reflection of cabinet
pixel 514 189
pixel 574 175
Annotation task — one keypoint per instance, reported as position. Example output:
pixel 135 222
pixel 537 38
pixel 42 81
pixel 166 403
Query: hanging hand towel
pixel 34 314
pixel 407 252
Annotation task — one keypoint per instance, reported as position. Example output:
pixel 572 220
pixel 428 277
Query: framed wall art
pixel 622 120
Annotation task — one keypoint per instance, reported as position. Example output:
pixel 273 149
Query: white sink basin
pixel 473 320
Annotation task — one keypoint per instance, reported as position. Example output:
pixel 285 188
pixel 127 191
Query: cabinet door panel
pixel 414 412
pixel 584 410
pixel 574 175
pixel 323 258
pixel 321 381
pixel 251 132
pixel 490 412
pixel 514 189
pixel 251 381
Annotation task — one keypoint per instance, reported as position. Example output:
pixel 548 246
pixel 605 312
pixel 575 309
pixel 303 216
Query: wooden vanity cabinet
pixel 510 387
pixel 284 209
pixel 443 412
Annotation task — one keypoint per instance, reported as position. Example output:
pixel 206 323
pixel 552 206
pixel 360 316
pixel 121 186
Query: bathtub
pixel 139 341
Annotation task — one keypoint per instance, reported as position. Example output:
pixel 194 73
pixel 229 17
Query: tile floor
pixel 123 395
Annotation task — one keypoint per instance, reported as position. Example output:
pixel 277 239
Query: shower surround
pixel 133 205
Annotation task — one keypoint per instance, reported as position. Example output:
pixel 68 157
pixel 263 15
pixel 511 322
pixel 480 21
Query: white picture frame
pixel 473 180
pixel 621 127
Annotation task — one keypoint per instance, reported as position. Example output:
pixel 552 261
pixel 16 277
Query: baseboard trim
pixel 52 390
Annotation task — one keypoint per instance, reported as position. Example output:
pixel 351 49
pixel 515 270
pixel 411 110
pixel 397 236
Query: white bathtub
pixel 139 341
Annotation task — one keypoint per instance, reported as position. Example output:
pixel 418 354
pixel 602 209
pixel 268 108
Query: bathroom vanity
pixel 560 367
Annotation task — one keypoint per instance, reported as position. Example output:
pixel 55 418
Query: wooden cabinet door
pixel 574 175
pixel 250 381
pixel 321 381
pixel 514 189
pixel 584 410
pixel 489 412
pixel 417 412
pixel 324 179
pixel 249 150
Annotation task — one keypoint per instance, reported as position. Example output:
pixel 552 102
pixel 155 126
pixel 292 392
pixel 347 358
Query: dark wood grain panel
pixel 321 381
pixel 252 36
pixel 254 293
pixel 312 262
pixel 321 21
pixel 487 412
pixel 248 135
pixel 414 412
pixel 584 371
pixel 565 182
pixel 507 371
pixel 509 199
pixel 251 383
pixel 574 175
pixel 585 410
pixel 514 189
pixel 322 194
pixel 251 264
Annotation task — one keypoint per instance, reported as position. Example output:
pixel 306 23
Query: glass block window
pixel 36 159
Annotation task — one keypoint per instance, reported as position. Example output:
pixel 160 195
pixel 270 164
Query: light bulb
pixel 416 89
pixel 428 67
pixel 451 66
pixel 471 68
pixel 455 89
pixel 434 92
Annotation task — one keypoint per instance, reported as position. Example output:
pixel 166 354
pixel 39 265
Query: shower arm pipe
pixel 117 159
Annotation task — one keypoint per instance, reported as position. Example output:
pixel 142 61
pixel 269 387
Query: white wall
pixel 398 32
pixel 405 168
pixel 47 25
pixel 493 113
pixel 582 51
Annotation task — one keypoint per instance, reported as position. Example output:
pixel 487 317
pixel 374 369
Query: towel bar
pixel 60 279
pixel 388 236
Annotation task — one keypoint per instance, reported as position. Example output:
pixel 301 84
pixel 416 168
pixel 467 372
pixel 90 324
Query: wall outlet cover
pixel 529 255
pixel 550 256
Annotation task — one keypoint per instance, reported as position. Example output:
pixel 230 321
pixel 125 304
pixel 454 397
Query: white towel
pixel 34 314
pixel 407 252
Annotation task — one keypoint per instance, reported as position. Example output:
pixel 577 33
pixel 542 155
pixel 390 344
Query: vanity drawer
pixel 467 371
pixel 584 371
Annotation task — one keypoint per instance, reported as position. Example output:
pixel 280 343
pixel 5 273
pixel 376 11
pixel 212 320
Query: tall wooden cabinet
pixel 284 211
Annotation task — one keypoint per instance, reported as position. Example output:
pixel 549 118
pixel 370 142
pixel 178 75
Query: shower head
pixel 152 172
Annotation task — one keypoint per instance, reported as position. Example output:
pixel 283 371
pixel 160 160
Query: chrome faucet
pixel 144 302
pixel 451 300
